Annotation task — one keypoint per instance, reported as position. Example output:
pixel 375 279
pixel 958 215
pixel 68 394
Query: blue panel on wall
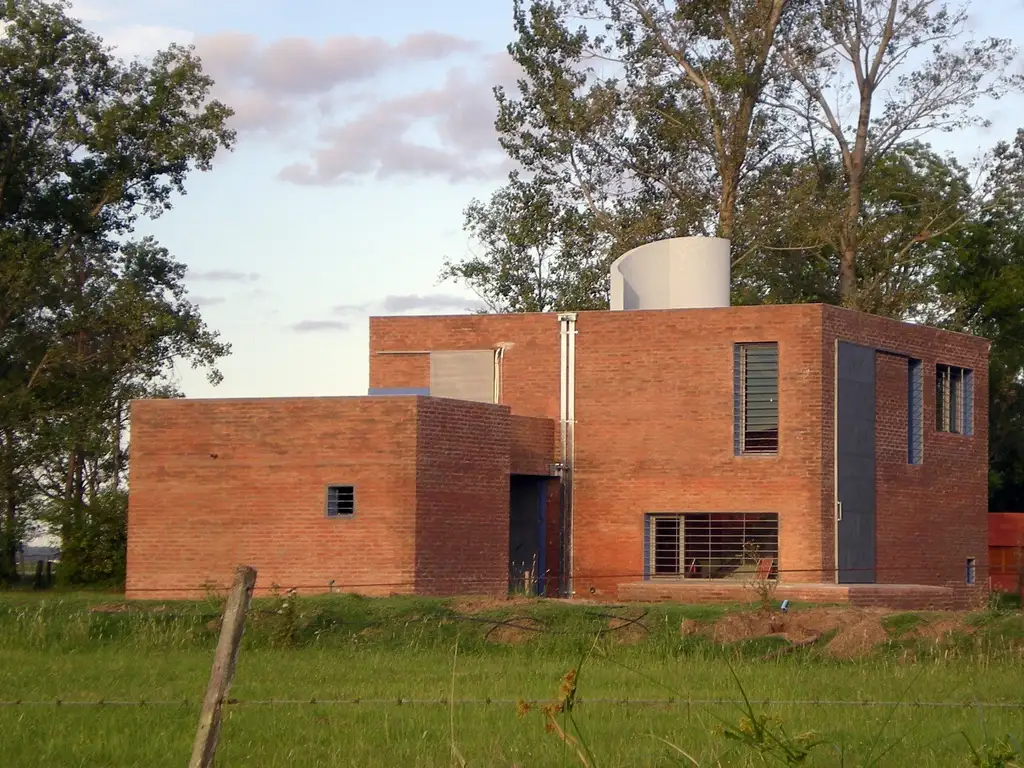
pixel 423 391
pixel 915 412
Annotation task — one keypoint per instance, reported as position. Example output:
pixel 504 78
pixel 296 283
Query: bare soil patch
pixel 858 630
pixel 483 603
pixel 516 630
pixel 942 628
pixel 859 639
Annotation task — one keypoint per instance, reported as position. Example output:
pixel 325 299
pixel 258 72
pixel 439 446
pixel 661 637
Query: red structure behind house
pixel 1006 550
pixel 634 454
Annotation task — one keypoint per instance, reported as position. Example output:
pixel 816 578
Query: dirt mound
pixel 941 629
pixel 746 626
pixel 857 640
pixel 518 629
pixel 627 630
pixel 481 604
pixel 797 626
pixel 858 629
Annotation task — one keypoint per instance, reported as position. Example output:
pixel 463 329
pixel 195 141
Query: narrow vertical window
pixel 915 412
pixel 970 575
pixel 954 400
pixel 756 398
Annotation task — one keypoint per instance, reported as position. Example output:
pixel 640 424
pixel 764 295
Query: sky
pixel 364 129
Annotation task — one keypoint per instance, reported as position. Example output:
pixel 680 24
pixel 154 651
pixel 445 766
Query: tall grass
pixel 380 652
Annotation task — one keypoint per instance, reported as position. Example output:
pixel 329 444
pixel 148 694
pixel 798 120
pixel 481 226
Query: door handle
pixel 839 511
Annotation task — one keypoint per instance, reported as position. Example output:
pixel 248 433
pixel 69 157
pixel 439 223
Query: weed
pixel 1003 754
pixel 766 735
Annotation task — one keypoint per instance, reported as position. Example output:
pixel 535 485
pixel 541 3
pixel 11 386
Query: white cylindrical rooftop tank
pixel 678 273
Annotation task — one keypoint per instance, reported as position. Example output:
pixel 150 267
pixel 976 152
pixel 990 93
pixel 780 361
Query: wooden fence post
pixel 231 628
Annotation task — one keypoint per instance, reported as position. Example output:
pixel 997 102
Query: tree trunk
pixel 727 206
pixel 855 162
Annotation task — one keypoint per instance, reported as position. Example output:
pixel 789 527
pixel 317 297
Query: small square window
pixel 341 500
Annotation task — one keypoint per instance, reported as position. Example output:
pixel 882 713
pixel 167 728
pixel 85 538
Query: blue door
pixel 855 463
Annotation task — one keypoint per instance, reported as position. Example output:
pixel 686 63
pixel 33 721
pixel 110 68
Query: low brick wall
pixel 898 596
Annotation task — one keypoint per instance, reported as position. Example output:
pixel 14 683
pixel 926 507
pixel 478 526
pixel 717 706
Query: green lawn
pixel 379 651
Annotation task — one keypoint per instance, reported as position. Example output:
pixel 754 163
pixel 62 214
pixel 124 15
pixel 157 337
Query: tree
pixel 88 318
pixel 679 125
pixel 852 49
pixel 981 284
pixel 535 256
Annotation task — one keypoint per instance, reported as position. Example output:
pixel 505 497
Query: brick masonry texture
pixel 1006 551
pixel 654 429
pixel 220 482
pixel 215 483
pixel 462 490
pixel 933 516
pixel 898 596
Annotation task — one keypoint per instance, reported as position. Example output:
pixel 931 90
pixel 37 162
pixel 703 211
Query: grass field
pixel 78 648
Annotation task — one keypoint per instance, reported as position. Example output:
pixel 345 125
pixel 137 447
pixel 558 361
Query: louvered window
pixel 756 398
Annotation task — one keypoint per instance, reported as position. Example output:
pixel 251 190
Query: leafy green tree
pixel 88 317
pixel 981 285
pixel 534 256
pixel 905 68
pixel 644 104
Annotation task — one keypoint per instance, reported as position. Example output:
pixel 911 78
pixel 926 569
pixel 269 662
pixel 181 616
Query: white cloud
pixel 376 140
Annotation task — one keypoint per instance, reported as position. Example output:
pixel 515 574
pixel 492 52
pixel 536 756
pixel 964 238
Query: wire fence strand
pixel 581 701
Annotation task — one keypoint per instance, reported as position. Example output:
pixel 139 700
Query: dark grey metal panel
pixel 855 463
pixel 525 521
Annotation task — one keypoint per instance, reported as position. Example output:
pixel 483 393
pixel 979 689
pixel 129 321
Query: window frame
pixel 741 446
pixel 954 400
pixel 334 488
pixel 713 530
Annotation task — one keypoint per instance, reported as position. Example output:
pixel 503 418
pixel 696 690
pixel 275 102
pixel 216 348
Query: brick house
pixel 634 453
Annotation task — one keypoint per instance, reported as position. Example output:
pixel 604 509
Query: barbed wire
pixel 624 702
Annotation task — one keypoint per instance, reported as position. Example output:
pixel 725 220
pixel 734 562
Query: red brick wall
pixel 654 414
pixel 533 445
pixel 462 486
pixel 930 517
pixel 654 429
pixel 530 364
pixel 215 483
pixel 654 433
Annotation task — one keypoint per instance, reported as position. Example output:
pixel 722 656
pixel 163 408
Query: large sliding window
pixel 711 545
